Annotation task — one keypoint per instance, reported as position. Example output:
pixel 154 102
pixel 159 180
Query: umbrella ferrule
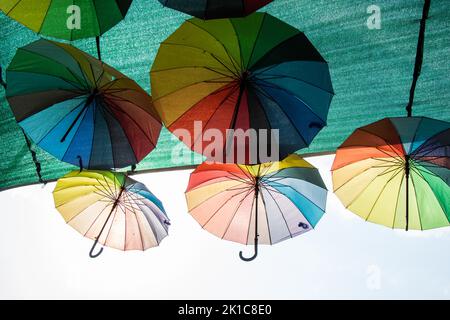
pixel 407 164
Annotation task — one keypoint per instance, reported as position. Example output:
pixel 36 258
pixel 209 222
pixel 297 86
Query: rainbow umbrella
pixel 280 199
pixel 67 19
pixel 215 9
pixel 79 109
pixel 253 73
pixel 396 172
pixel 111 209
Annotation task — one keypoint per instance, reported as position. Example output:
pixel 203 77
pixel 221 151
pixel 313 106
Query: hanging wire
pixel 419 56
pixel 2 82
pixel 37 164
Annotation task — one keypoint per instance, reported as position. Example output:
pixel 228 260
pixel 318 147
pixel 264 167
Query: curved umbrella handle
pixel 92 250
pixel 252 257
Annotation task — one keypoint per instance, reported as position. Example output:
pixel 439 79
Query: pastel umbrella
pixel 254 73
pixel 396 172
pixel 112 209
pixel 215 9
pixel 79 109
pixel 67 19
pixel 265 203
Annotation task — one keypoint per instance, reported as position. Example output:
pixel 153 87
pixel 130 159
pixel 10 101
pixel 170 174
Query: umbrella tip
pixel 303 225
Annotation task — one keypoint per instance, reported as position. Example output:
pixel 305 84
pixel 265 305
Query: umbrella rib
pixel 213 69
pixel 427 152
pixel 70 220
pixel 239 178
pixel 267 218
pixel 221 44
pixel 381 192
pixel 356 175
pixel 83 87
pixel 13 7
pixel 110 227
pixel 95 220
pixel 232 91
pixel 137 223
pixel 94 121
pixel 209 198
pixel 235 212
pixel 234 73
pixel 281 212
pixel 414 137
pixel 283 112
pixel 85 111
pixel 387 143
pixel 241 62
pixel 273 76
pixel 396 202
pixel 246 173
pixel 249 223
pixel 299 193
pixel 429 187
pixel 103 192
pixel 417 204
pixel 105 109
pixel 76 89
pixel 420 170
pixel 256 40
pixel 112 96
pixel 364 189
pixel 306 218
pixel 112 192
pixel 275 86
pixel 58 123
pixel 112 103
pixel 218 209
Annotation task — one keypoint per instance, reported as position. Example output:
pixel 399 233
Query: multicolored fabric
pixel 131 217
pixel 216 9
pixel 245 73
pixel 369 172
pixel 58 18
pixel 292 199
pixel 79 109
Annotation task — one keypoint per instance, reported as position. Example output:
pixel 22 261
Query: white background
pixel 344 257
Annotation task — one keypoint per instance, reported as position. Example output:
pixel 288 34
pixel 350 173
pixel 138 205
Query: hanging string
pixel 2 82
pixel 97 42
pixel 37 164
pixel 419 56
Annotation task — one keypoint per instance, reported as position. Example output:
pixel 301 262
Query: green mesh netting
pixel 371 70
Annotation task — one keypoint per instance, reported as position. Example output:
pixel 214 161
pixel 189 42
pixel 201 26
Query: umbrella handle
pixel 92 250
pixel 252 257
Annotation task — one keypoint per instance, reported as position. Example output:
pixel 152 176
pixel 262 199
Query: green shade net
pixel 371 71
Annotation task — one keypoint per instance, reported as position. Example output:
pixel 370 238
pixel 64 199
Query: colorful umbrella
pixel 396 172
pixel 112 209
pixel 67 19
pixel 79 109
pixel 215 9
pixel 256 72
pixel 280 199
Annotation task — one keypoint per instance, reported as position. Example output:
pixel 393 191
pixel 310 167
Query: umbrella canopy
pixel 79 109
pixel 253 73
pixel 111 209
pixel 215 9
pixel 67 19
pixel 396 172
pixel 265 203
